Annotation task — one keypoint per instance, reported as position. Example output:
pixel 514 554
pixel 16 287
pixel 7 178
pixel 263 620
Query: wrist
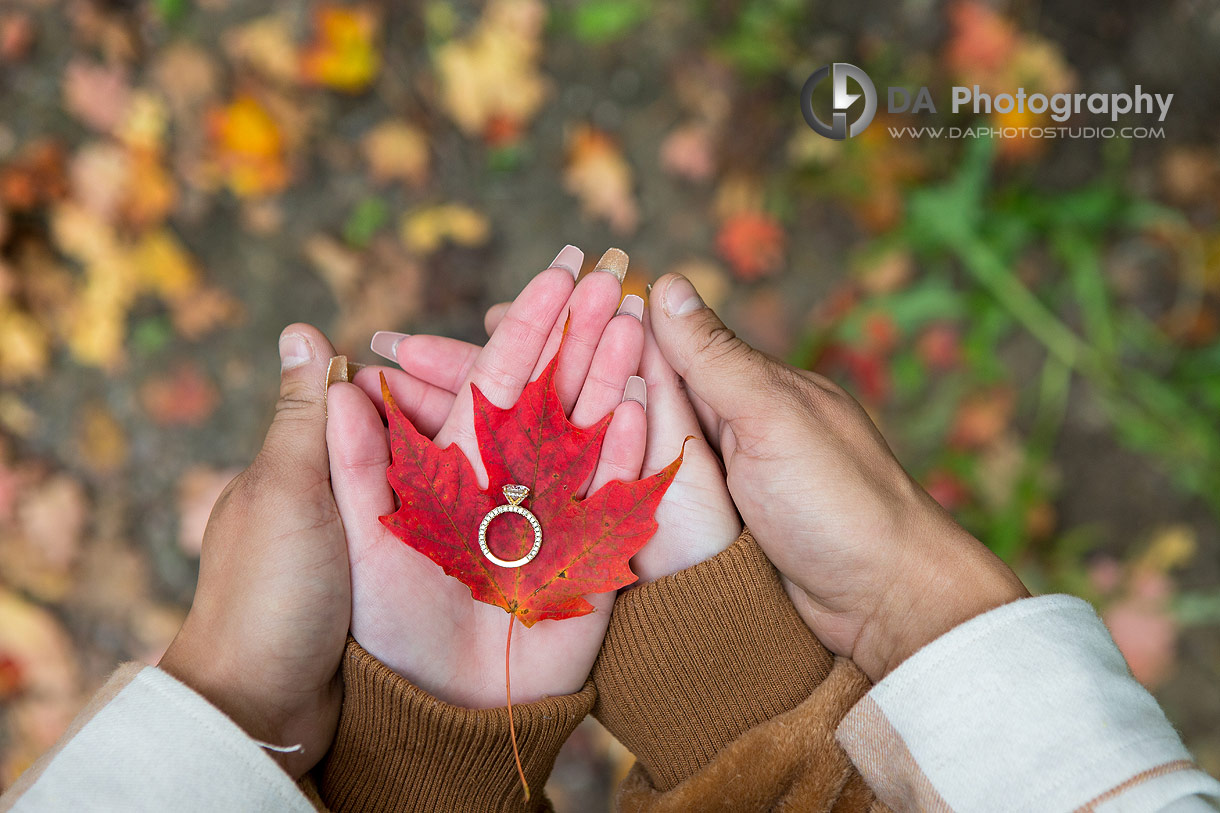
pixel 208 677
pixel 927 600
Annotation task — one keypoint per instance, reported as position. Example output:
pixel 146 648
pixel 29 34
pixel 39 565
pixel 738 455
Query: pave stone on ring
pixel 514 494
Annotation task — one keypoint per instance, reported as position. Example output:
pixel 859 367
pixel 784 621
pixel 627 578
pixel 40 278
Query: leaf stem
pixel 508 692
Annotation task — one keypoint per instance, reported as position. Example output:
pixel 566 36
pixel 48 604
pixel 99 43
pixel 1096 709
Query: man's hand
pixel 874 565
pixel 266 631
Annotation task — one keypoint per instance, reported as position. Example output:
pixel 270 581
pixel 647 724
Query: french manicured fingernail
pixel 636 390
pixel 633 305
pixel 295 350
pixel 385 343
pixel 615 261
pixel 571 259
pixel 681 298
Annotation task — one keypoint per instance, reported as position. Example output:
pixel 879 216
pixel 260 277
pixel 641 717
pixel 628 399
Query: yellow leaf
pixel 1172 547
pixel 424 230
pixel 343 56
pixel 23 346
pixel 100 439
pixel 164 267
pixel 16 416
pixel 490 78
pixel 143 127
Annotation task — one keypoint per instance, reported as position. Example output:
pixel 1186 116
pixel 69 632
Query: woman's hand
pixel 265 634
pixel 874 565
pixel 696 519
pixel 405 610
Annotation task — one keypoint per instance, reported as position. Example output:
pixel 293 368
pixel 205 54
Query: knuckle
pixel 720 345
pixel 294 404
pixel 815 399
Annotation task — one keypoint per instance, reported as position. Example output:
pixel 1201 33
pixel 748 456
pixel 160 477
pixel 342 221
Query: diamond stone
pixel 515 493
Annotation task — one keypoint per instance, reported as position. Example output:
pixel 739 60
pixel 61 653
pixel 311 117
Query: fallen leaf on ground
pixel 205 310
pixel 39 651
pixel 981 42
pixel 339 266
pixel 866 373
pixel 425 230
pixel 16 417
pixel 884 272
pixel 396 151
pixel 24 346
pixel 187 76
pixel 489 79
pixel 939 346
pixel 1172 547
pixel 44 544
pixel 100 173
pixel 752 243
pixel 343 55
pixel 98 95
pixel 687 153
pixel 17 33
pixel 987 49
pixel 981 418
pixel 183 397
pixel 248 148
pixel 37 176
pixel 266 45
pixel 101 441
pixel 358 282
pixel 600 177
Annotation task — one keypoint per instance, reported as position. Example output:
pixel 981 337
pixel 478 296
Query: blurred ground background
pixel 1033 324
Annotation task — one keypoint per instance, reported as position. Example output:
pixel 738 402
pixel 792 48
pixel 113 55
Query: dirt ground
pixel 121 452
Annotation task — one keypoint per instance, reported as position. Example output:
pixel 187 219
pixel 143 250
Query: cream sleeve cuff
pixel 146 742
pixel 1027 707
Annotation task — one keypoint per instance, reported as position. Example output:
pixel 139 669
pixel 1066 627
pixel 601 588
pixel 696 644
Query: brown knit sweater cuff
pixel 399 748
pixel 694 660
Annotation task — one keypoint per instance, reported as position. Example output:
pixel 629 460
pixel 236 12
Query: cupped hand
pixel 405 610
pixel 265 633
pixel 873 564
pixel 696 519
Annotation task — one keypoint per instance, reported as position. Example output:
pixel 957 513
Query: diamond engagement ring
pixel 514 494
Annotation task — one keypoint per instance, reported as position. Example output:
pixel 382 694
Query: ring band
pixel 515 494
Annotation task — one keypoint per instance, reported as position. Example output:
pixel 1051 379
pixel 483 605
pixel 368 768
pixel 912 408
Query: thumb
pixel 725 372
pixel 297 437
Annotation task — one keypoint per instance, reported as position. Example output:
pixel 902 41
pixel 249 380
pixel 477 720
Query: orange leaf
pixel 752 243
pixel 599 175
pixel 249 147
pixel 343 55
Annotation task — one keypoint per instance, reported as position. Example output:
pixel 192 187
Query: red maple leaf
pixel 586 543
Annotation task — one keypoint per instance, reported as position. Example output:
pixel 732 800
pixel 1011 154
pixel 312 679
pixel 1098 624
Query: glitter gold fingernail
pixel 614 261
